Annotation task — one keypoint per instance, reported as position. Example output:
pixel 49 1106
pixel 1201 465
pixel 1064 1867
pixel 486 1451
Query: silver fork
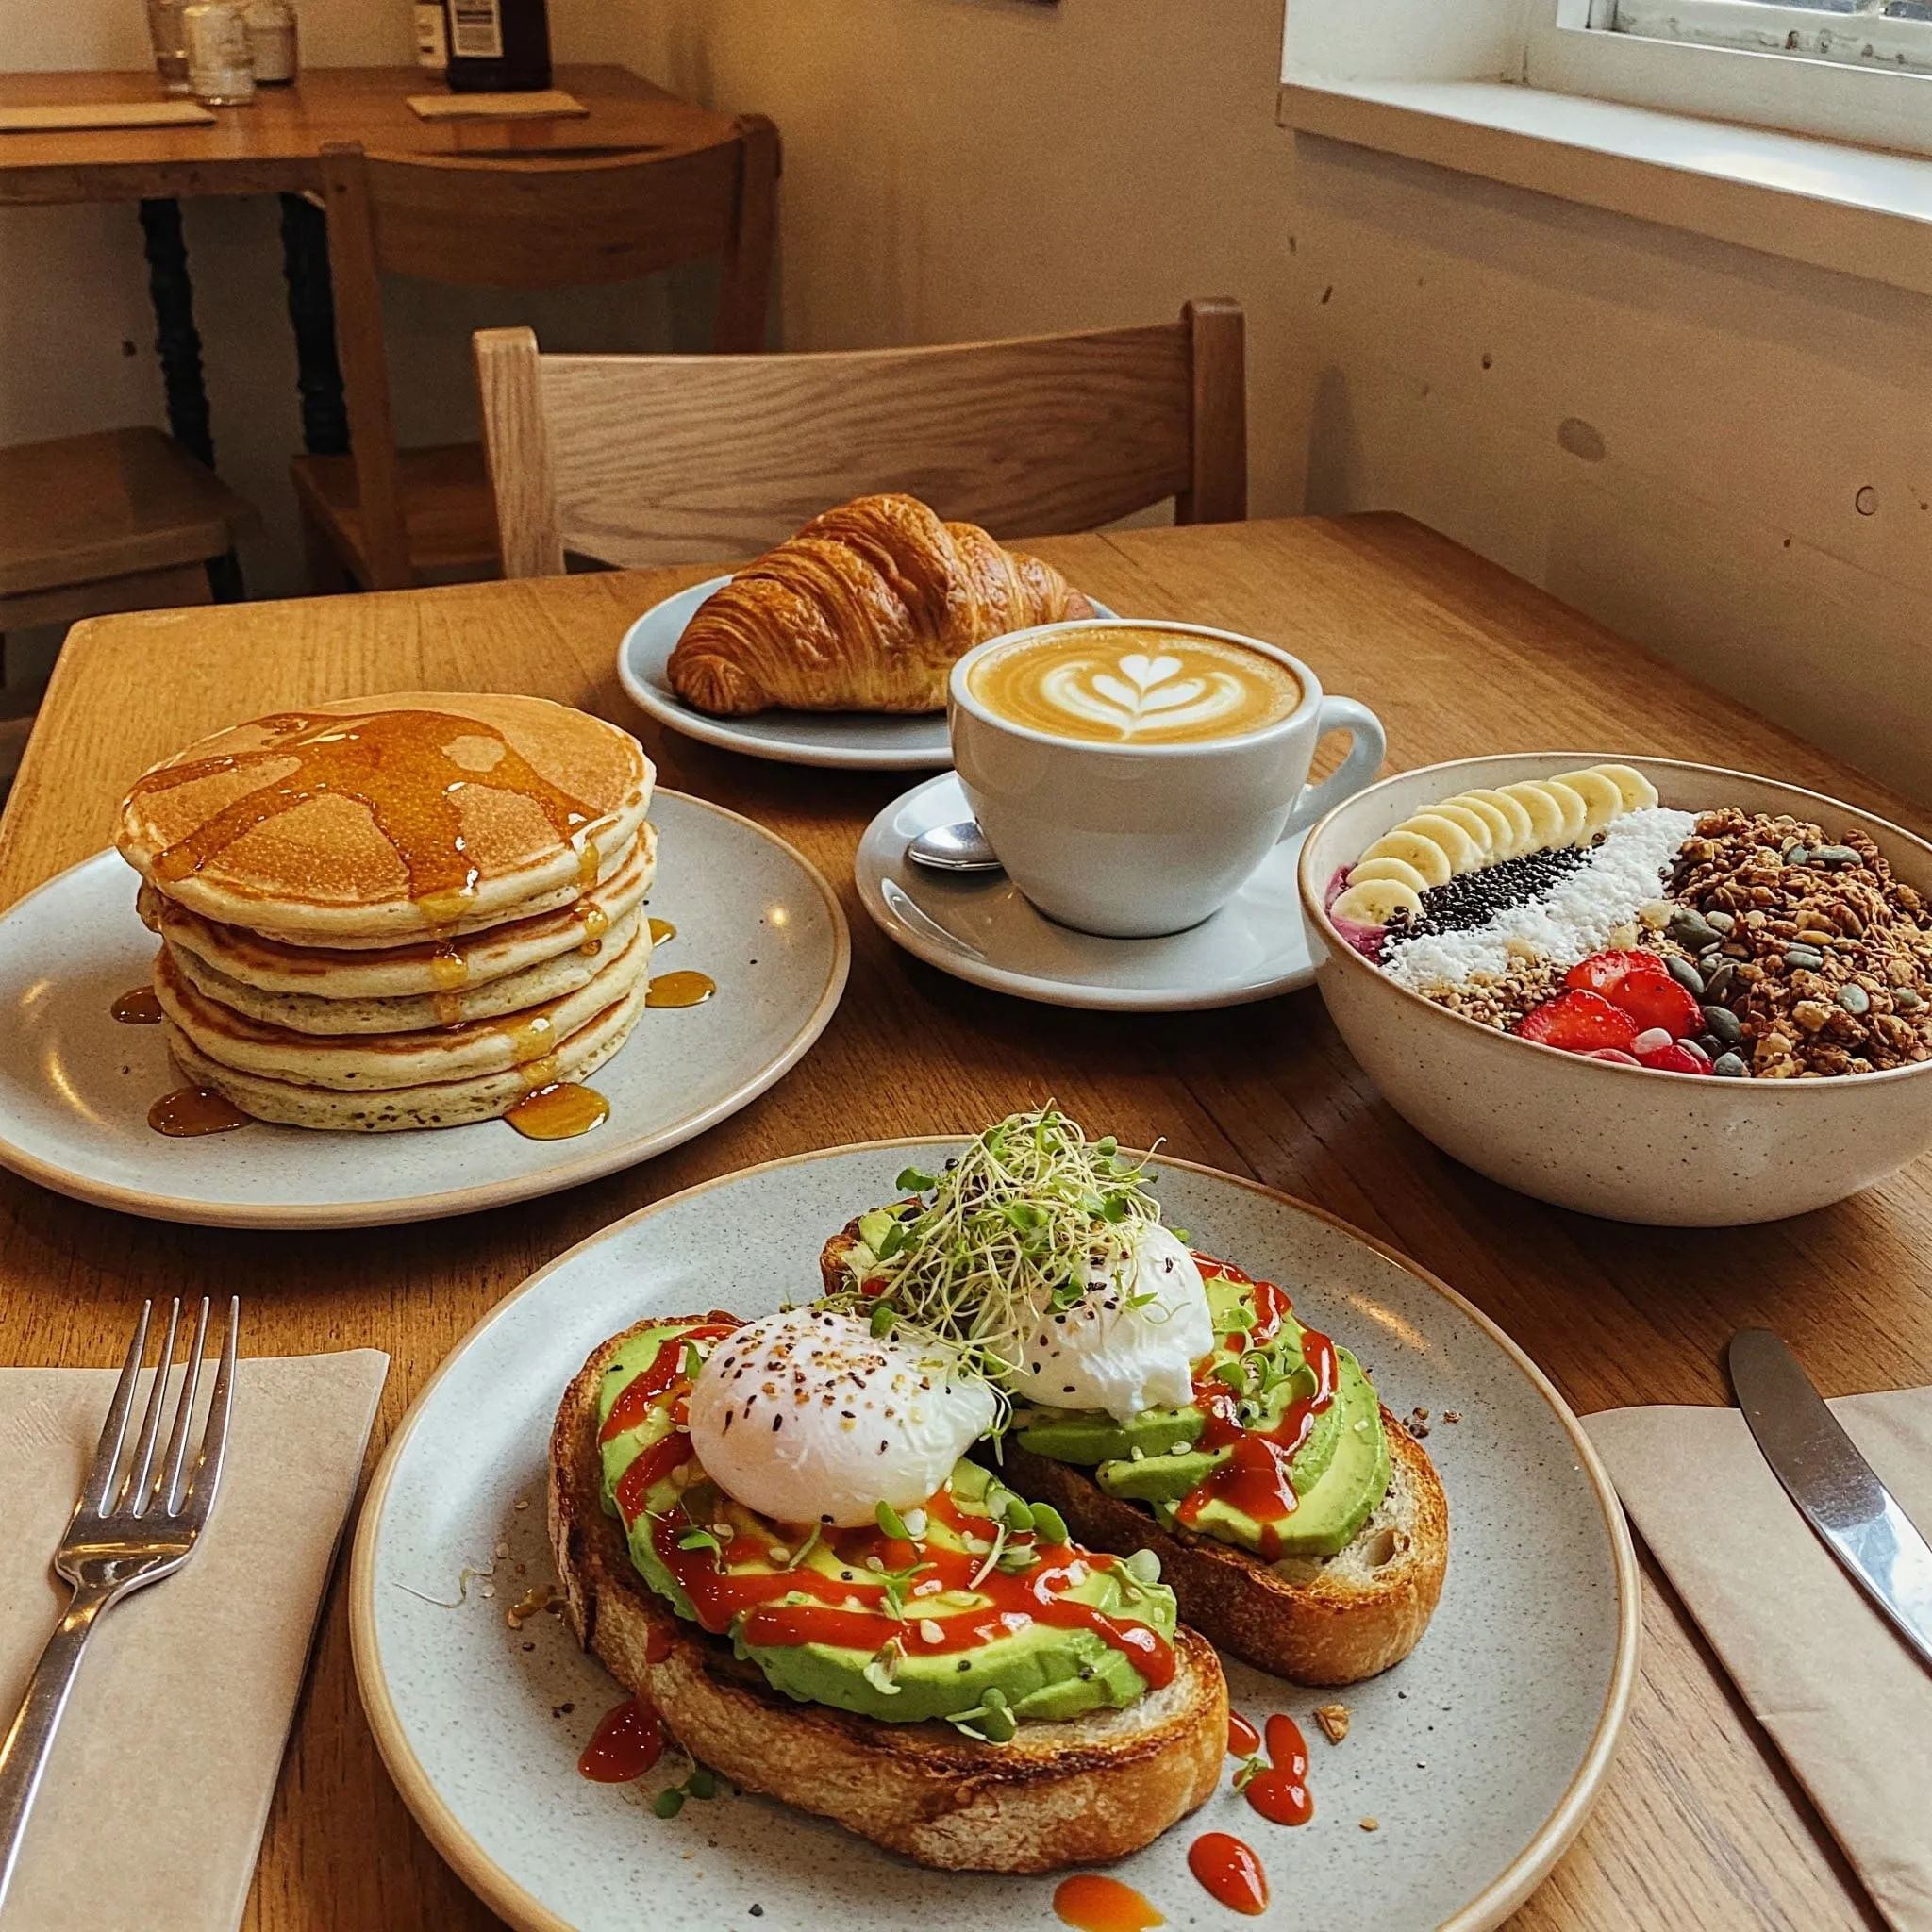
pixel 128 1528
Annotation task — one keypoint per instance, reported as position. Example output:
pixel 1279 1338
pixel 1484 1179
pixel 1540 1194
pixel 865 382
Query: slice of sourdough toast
pixel 1067 1794
pixel 1327 1619
pixel 1316 1619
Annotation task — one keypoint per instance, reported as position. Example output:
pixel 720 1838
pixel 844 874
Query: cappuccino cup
pixel 1130 777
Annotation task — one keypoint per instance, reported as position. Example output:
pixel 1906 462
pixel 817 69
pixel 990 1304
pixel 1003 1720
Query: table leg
pixel 313 314
pixel 179 343
pixel 172 296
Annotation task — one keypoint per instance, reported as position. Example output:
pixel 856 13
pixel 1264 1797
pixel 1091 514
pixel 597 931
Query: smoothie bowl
pixel 1657 991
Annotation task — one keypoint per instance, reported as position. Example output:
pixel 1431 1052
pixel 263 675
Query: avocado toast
pixel 952 1678
pixel 1163 1400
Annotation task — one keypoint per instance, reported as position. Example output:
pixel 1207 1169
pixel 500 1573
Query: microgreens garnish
pixel 883 1669
pixel 894 1582
pixel 1018 1226
pixel 889 1520
pixel 702 1783
pixel 693 1361
pixel 1251 1768
pixel 697 1539
pixel 990 1720
pixel 806 1548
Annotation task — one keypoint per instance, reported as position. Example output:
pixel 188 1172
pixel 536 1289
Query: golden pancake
pixel 446 1103
pixel 495 999
pixel 462 964
pixel 360 1062
pixel 389 818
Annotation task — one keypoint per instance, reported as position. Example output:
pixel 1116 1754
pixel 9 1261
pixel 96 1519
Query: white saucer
pixel 981 928
pixel 76 1085
pixel 857 741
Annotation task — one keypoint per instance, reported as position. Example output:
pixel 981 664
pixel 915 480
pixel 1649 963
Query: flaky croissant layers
pixel 865 609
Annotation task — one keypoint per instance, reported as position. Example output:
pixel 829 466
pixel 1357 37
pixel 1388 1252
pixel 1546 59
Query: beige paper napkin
pixel 1846 1701
pixel 494 107
pixel 162 1775
pixel 58 118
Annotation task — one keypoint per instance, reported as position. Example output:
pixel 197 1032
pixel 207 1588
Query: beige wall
pixel 1669 433
pixel 1675 435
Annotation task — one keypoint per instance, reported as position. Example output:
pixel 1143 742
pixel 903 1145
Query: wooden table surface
pixel 272 145
pixel 1700 1824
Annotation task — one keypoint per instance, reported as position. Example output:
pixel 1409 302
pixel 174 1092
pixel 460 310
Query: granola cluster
pixel 1830 955
pixel 1500 1000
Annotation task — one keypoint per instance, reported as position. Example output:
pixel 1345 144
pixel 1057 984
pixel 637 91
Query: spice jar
pixel 221 71
pixel 272 41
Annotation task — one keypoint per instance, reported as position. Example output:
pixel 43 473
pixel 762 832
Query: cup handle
pixel 1367 744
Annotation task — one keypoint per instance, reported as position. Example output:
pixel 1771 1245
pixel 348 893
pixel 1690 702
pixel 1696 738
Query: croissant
pixel 865 609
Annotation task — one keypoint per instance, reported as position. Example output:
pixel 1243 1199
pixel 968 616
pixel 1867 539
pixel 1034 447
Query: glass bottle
pixel 432 42
pixel 272 41
pixel 221 71
pixel 170 39
pixel 498 46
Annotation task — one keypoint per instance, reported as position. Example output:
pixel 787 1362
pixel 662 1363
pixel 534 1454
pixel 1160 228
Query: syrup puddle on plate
pixel 680 989
pixel 558 1111
pixel 191 1111
pixel 139 1005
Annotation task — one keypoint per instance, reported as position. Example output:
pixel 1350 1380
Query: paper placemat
pixel 494 107
pixel 1846 1701
pixel 161 1777
pixel 70 114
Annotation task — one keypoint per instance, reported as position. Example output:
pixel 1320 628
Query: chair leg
pixel 328 576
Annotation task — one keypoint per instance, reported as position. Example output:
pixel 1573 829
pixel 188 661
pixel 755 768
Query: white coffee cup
pixel 1134 840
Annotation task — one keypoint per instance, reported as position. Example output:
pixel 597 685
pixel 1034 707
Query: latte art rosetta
pixel 1135 686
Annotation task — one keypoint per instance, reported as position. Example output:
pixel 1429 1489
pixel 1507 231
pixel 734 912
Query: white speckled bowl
pixel 1676 1150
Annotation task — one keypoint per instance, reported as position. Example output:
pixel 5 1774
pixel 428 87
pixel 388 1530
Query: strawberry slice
pixel 1578 1021
pixel 1675 1058
pixel 1657 1002
pixel 1602 971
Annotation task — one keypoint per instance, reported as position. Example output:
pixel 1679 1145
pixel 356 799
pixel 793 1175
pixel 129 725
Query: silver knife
pixel 1836 1490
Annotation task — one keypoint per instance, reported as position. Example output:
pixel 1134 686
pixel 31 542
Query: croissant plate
pixel 865 609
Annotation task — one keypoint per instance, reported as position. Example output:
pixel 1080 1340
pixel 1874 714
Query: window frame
pixel 1568 50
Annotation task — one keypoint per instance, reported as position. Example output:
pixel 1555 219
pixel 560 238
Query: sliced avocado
pixel 1088 1436
pixel 1331 1506
pixel 1044 1671
pixel 1158 1479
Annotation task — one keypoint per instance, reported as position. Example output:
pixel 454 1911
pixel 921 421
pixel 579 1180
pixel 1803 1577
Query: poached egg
pixel 1104 1352
pixel 808 1417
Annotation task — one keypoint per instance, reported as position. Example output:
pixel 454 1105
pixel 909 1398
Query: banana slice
pixel 1375 901
pixel 1545 814
pixel 1521 833
pixel 1570 804
pixel 1501 830
pixel 1465 854
pixel 1413 848
pixel 1472 822
pixel 1638 792
pixel 1397 868
pixel 1602 801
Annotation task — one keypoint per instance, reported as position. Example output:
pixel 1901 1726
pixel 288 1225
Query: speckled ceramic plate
pixel 979 926
pixel 856 741
pixel 75 1086
pixel 1478 1758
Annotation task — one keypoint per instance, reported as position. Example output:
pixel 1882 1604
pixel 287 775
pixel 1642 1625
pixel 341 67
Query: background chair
pixel 120 520
pixel 644 459
pixel 383 519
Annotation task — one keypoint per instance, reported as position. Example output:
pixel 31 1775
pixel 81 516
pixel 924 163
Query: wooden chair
pixel 384 519
pixel 646 459
pixel 120 520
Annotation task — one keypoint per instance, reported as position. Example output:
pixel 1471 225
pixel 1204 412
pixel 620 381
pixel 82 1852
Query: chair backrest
pixel 528 221
pixel 641 459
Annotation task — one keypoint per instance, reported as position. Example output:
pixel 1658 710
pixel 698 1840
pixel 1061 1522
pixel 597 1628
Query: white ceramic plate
pixel 858 741
pixel 76 1085
pixel 1478 1756
pixel 982 927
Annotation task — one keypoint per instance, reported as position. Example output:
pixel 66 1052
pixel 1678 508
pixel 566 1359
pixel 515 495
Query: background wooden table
pixel 1700 1825
pixel 274 146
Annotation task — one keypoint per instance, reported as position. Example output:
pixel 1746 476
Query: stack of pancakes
pixel 399 911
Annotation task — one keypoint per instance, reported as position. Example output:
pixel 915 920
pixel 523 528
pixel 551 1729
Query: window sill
pixel 1859 212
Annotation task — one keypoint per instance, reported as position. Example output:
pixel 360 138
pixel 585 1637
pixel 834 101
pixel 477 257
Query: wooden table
pixel 1700 1825
pixel 274 147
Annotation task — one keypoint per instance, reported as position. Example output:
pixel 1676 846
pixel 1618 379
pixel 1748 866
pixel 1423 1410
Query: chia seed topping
pixel 1571 918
